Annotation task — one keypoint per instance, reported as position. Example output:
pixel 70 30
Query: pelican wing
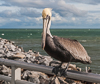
pixel 74 47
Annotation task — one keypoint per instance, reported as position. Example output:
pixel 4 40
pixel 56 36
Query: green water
pixel 31 39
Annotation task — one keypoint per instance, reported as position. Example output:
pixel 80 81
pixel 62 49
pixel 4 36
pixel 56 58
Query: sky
pixel 65 13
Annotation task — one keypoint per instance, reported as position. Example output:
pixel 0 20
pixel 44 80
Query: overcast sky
pixel 65 13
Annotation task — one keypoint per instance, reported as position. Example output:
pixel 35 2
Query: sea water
pixel 31 39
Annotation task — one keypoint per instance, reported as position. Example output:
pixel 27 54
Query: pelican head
pixel 46 11
pixel 46 14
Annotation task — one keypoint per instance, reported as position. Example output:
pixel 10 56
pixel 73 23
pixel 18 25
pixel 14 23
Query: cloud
pixel 30 12
pixel 68 10
pixel 8 14
pixel 66 13
pixel 59 6
pixel 92 2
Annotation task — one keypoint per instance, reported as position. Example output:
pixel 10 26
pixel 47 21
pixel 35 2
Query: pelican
pixel 62 49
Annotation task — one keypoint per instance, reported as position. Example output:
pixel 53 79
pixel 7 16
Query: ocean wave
pixel 2 34
pixel 83 40
pixel 30 33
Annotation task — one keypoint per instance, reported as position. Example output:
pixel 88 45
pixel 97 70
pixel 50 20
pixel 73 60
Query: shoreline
pixel 9 50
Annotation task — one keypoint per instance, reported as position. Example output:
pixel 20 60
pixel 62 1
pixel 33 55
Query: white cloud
pixel 3 21
pixel 73 18
pixel 17 20
pixel 57 17
pixel 93 2
pixel 65 12
pixel 12 8
pixel 60 6
pixel 88 7
pixel 38 18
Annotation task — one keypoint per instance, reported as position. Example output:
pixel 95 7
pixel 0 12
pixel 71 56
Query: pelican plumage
pixel 63 49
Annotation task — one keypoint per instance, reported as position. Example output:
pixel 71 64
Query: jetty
pixel 20 67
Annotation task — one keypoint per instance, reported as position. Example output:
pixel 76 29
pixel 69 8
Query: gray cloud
pixel 29 12
pixel 93 2
pixel 8 14
pixel 69 10
pixel 21 13
pixel 59 6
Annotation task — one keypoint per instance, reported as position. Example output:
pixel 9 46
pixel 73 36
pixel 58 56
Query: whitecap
pixel 2 34
pixel 30 33
pixel 83 40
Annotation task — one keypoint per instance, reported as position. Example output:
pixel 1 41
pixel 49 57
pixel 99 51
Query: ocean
pixel 31 39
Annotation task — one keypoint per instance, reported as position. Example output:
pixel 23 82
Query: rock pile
pixel 9 50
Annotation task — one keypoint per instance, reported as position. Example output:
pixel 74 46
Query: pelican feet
pixel 59 71
pixel 56 70
pixel 63 72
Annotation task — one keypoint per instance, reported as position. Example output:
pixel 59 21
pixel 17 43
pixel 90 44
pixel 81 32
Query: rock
pixel 37 53
pixel 20 49
pixel 37 74
pixel 28 55
pixel 34 76
pixel 9 54
pixel 5 70
pixel 1 50
pixel 54 63
pixel 89 70
pixel 64 65
pixel 69 81
pixel 72 66
pixel 34 80
pixel 47 59
pixel 31 52
pixel 19 55
pixel 61 79
pixel 2 55
pixel 32 59
pixel 57 81
pixel 78 69
pixel 54 80
pixel 9 50
pixel 39 60
pixel 1 46
pixel 10 46
pixel 43 81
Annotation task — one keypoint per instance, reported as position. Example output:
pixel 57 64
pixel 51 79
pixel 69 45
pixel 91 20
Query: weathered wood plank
pixel 89 77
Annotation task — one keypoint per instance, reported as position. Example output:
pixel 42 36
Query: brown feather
pixel 74 47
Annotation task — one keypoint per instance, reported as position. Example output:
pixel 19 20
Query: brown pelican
pixel 63 49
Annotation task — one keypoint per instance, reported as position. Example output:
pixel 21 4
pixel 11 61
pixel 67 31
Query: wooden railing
pixel 17 65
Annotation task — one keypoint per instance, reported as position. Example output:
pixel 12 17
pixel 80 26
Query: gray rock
pixel 2 55
pixel 5 70
pixel 1 46
pixel 47 59
pixel 34 80
pixel 9 50
pixel 32 59
pixel 36 53
pixel 61 79
pixel 1 50
pixel 9 54
pixel 39 60
pixel 54 63
pixel 35 77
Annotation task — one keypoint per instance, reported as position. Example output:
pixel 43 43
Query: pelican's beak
pixel 45 27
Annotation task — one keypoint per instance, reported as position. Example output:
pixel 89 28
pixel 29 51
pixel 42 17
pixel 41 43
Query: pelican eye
pixel 47 16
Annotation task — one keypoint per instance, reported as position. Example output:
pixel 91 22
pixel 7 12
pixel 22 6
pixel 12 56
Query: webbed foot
pixel 56 70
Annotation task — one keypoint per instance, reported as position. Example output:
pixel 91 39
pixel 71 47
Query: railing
pixel 16 72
